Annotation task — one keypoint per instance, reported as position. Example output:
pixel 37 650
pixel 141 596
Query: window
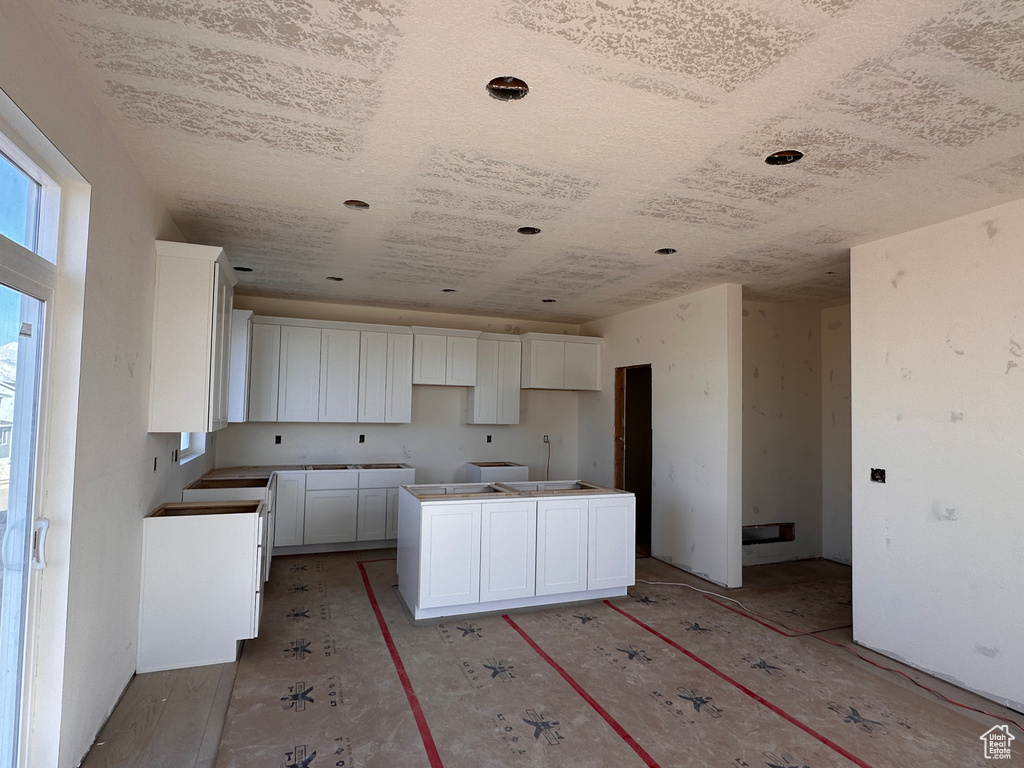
pixel 193 445
pixel 19 205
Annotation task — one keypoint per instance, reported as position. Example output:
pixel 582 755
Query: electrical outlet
pixel 488 438
pixel 277 439
pixel 362 438
pixel 546 439
pixel 877 475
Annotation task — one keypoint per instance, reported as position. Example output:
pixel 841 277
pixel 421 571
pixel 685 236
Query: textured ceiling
pixel 646 127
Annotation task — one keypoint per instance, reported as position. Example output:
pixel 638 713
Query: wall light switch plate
pixel 877 475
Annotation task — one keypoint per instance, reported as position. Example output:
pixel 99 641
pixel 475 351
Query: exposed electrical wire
pixel 848 649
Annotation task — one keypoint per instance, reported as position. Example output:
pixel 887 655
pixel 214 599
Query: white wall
pixel 438 442
pixel 937 319
pixel 836 510
pixel 782 427
pixel 694 347
pixel 98 560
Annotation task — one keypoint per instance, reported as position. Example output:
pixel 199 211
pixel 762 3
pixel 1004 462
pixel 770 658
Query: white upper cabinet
pixel 299 377
pixel 444 356
pixel 264 371
pixel 495 398
pixel 339 375
pixel 238 378
pixel 191 338
pixel 553 361
pixel 385 377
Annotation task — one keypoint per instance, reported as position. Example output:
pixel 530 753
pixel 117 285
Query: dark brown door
pixel 633 451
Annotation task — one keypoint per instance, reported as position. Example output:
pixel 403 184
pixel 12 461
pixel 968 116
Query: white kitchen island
pixel 480 547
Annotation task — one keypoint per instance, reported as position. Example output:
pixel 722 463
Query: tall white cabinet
pixel 191 338
pixel 495 397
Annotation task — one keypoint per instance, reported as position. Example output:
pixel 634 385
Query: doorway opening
pixel 633 444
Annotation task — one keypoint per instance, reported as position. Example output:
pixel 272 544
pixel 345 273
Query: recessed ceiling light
pixel 336 279
pixel 507 88
pixel 528 230
pixel 242 269
pixel 785 157
pixel 358 205
pixel 665 251
pixel 447 290
pixel 548 301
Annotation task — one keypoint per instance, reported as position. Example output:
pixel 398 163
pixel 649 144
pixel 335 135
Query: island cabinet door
pixel 450 549
pixel 562 526
pixel 612 543
pixel 508 551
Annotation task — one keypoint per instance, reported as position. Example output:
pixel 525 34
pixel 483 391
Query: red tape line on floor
pixel 623 734
pixel 410 694
pixel 739 686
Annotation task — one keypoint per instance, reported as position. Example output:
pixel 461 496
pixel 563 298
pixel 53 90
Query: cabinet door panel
pixel 373 514
pixel 391 531
pixel 562 546
pixel 508 536
pixel 289 508
pixel 265 367
pixel 482 399
pixel 299 388
pixel 429 358
pixel 612 549
pixel 221 362
pixel 581 365
pixel 339 375
pixel 460 367
pixel 547 364
pixel 398 379
pixel 330 517
pixel 509 364
pixel 450 565
pixel 373 364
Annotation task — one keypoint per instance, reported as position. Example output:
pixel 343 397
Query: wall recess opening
pixel 507 88
pixel 528 230
pixel 242 269
pixel 770 533
pixel 785 157
pixel 447 290
pixel 548 301
pixel 335 279
pixel 665 251
pixel 358 205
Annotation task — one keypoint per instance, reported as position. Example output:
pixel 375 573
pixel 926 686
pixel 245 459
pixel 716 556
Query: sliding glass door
pixel 22 531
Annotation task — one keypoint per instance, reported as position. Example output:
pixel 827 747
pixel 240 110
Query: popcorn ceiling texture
pixel 645 128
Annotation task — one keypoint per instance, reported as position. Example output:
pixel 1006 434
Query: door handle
pixel 42 525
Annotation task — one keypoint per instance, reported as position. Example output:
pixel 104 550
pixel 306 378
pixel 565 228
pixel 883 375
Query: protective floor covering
pixel 664 677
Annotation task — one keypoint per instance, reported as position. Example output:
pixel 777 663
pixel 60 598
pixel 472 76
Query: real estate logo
pixel 997 742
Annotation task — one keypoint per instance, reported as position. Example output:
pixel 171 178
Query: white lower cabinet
pixel 612 521
pixel 562 545
pixel 330 516
pixel 466 556
pixel 290 512
pixel 373 514
pixel 450 566
pixel 202 582
pixel 391 529
pixel 508 550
